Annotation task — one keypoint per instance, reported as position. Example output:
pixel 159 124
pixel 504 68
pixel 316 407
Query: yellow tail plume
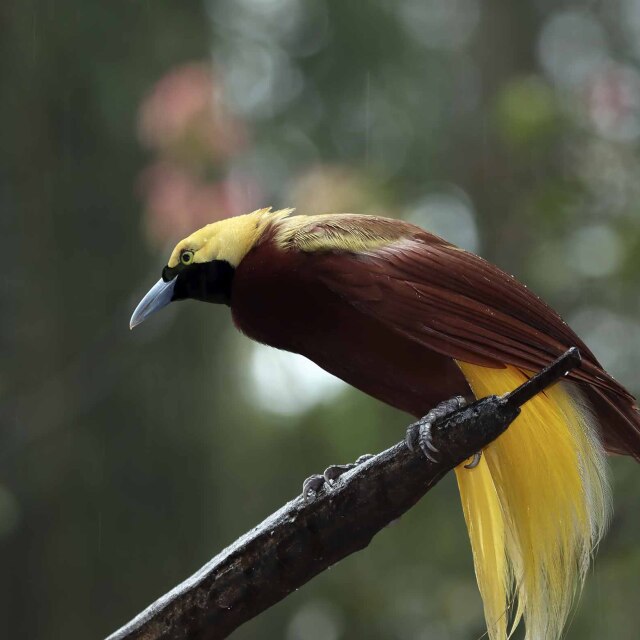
pixel 536 506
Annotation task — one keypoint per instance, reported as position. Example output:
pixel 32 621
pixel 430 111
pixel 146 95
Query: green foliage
pixel 527 113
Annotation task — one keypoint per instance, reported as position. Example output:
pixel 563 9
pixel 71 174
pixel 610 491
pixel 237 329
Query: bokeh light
pixel 449 214
pixel 287 384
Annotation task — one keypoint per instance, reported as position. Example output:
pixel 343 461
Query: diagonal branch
pixel 302 539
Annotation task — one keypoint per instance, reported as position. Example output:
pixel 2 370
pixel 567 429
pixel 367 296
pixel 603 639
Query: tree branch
pixel 302 539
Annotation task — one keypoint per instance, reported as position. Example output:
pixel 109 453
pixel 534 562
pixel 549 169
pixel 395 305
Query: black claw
pixel 312 484
pixel 425 436
pixel 332 473
pixel 475 461
pixel 419 433
pixel 411 438
pixel 426 454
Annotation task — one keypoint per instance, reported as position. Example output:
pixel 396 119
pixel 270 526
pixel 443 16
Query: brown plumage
pixel 412 320
pixel 423 302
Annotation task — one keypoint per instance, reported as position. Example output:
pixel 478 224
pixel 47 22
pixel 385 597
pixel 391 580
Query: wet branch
pixel 303 539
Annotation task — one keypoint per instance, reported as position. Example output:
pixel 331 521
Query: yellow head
pixel 202 265
pixel 227 240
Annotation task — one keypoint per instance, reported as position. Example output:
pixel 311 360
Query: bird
pixel 417 322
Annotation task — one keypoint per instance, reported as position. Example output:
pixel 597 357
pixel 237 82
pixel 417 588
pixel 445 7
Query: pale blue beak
pixel 160 295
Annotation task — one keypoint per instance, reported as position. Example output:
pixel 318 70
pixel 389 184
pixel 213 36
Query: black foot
pixel 313 484
pixel 419 433
pixel 332 473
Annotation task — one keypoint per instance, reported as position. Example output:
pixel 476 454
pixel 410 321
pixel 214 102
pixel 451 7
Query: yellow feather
pixel 339 232
pixel 229 239
pixel 481 508
pixel 536 506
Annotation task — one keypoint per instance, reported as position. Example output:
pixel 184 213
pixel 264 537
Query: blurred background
pixel 129 459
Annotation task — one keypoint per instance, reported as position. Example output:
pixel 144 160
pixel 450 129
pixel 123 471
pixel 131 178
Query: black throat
pixel 207 281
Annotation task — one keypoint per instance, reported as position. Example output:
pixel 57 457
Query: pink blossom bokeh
pixel 194 137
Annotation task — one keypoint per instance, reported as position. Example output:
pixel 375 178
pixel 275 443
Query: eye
pixel 186 257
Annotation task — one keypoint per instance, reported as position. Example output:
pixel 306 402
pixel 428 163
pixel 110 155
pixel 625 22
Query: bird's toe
pixel 419 433
pixel 311 487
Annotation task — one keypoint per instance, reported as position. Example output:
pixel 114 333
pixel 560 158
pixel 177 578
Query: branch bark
pixel 303 539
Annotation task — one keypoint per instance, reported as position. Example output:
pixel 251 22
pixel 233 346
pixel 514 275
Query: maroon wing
pixel 461 306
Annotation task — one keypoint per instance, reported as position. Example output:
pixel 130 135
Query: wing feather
pixel 449 301
pixel 444 298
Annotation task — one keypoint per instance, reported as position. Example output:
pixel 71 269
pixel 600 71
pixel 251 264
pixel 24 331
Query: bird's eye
pixel 186 257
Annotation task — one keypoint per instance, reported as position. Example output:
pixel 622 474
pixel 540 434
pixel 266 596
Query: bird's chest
pixel 275 303
pixel 272 303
